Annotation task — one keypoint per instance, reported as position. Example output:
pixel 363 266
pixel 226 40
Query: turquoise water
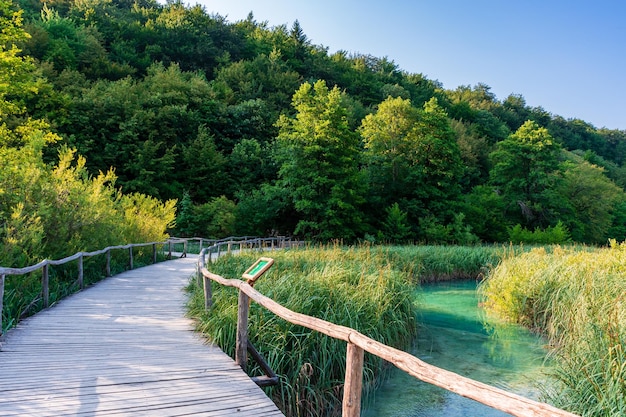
pixel 456 336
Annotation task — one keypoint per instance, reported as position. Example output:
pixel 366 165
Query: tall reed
pixel 577 297
pixel 371 289
pixel 442 263
pixel 357 288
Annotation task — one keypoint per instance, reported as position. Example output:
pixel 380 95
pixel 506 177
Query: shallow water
pixel 456 336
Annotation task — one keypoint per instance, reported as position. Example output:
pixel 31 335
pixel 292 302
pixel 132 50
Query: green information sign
pixel 257 269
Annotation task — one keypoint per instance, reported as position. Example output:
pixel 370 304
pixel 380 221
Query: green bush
pixel 552 235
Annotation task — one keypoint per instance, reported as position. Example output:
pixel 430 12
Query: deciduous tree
pixel 526 172
pixel 413 159
pixel 319 164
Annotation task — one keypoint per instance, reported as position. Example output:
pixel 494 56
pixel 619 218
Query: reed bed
pixel 371 289
pixel 577 298
pixel 444 263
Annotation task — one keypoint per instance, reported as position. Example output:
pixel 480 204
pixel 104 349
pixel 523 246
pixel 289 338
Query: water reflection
pixel 457 336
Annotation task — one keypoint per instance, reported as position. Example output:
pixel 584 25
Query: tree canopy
pixel 254 129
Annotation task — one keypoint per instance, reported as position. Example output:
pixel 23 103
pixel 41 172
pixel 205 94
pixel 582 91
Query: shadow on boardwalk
pixel 123 347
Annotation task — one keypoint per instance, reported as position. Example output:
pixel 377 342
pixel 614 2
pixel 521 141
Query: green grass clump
pixel 443 263
pixel 577 297
pixel 358 288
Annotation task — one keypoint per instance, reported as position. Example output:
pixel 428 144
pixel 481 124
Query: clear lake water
pixel 456 335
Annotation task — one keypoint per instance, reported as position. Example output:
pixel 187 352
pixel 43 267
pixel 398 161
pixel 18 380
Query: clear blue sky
pixel 567 56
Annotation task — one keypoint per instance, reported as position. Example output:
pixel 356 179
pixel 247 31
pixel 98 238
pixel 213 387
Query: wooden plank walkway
pixel 123 347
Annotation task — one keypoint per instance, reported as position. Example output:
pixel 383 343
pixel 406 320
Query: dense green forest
pixel 253 129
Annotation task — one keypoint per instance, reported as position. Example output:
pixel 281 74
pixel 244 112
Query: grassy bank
pixel 444 263
pixel 370 289
pixel 577 297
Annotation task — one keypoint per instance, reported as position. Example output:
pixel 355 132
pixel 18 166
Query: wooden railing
pixel 358 344
pixel 80 256
pixel 228 244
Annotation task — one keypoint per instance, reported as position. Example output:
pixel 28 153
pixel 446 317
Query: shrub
pixel 552 235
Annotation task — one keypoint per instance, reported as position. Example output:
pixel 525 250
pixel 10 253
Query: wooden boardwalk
pixel 123 347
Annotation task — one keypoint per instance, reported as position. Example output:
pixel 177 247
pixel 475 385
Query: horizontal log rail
pixel 229 244
pixel 216 245
pixel 497 398
pixel 44 266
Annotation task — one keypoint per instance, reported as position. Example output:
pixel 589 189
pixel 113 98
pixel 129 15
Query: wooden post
pixel 1 299
pixel 81 283
pixel 130 257
pixel 200 248
pixel 199 265
pixel 184 255
pixel 241 343
pixel 45 286
pixel 208 294
pixel 230 246
pixel 353 384
pixel 219 247
pixel 169 255
pixel 108 267
pixel 154 253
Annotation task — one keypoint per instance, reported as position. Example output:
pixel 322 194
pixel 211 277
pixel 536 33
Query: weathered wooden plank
pixel 123 347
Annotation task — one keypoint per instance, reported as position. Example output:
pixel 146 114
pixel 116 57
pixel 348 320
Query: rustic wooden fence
pixel 178 246
pixel 357 344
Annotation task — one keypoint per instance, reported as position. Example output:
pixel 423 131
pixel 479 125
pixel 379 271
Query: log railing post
pixel 206 282
pixel 353 384
pixel 81 283
pixel 108 267
pixel 199 265
pixel 230 246
pixel 130 257
pixel 154 253
pixel 1 299
pixel 45 286
pixel 241 343
pixel 184 255
pixel 208 293
pixel 169 254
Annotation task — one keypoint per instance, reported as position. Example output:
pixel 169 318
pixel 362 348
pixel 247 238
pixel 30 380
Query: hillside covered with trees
pixel 255 130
